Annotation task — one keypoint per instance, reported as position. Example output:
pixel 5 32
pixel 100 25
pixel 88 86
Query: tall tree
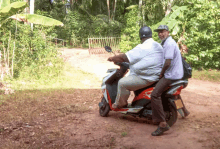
pixel 168 7
pixel 140 12
pixel 115 4
pixel 108 9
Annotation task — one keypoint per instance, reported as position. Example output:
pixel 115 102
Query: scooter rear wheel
pixel 171 116
pixel 104 110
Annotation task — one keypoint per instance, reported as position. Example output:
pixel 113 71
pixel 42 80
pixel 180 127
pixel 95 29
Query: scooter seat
pixel 179 82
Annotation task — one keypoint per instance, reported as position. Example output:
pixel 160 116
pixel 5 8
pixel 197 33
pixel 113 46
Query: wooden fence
pixel 96 45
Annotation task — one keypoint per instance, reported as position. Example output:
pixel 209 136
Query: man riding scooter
pixel 145 62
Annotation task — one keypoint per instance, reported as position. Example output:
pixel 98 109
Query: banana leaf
pixel 131 7
pixel 37 19
pixel 4 3
pixel 12 9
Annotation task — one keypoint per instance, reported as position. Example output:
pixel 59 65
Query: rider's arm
pixel 165 67
pixel 169 49
pixel 119 58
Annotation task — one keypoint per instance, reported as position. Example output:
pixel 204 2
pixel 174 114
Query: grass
pixel 70 78
pixel 121 128
pixel 71 85
pixel 212 75
pixel 123 134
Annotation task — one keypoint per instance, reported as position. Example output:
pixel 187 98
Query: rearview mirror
pixel 108 49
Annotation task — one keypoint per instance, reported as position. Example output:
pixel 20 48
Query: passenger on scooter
pixel 171 72
pixel 145 62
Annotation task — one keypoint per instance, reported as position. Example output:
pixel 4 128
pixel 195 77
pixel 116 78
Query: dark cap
pixel 162 27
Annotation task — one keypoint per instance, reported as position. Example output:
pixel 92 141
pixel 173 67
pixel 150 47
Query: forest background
pixel 26 54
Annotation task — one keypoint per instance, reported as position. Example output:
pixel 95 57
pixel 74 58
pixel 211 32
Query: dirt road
pixel 70 118
pixel 202 98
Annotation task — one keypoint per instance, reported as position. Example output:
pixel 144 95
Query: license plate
pixel 178 103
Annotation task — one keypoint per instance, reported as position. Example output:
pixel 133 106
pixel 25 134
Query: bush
pixel 203 34
pixel 196 23
pixel 34 58
pixel 130 35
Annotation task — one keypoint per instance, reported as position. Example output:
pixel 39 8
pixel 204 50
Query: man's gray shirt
pixel 171 51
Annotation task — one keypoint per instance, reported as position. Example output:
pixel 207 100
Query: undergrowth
pixel 69 78
pixel 207 75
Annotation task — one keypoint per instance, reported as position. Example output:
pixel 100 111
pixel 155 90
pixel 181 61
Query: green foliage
pixel 195 24
pixel 79 27
pixel 199 29
pixel 173 20
pixel 55 10
pixel 130 35
pixel 151 12
pixel 4 3
pixel 11 9
pixel 30 58
pixel 123 134
pixel 33 57
pixel 203 34
pixel 209 75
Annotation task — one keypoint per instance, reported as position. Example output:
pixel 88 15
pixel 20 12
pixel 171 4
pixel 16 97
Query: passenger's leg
pixel 158 114
pixel 127 84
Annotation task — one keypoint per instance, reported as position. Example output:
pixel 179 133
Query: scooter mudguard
pixel 175 102
pixel 177 105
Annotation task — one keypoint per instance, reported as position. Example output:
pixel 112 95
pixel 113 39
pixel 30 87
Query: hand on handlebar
pixel 109 59
pixel 116 61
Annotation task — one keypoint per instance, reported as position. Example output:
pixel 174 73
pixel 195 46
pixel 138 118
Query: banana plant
pixel 8 10
pixel 171 21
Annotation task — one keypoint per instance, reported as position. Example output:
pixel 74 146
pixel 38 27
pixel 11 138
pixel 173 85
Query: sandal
pixel 160 130
pixel 114 106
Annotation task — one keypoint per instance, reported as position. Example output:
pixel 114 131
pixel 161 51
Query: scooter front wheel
pixel 104 108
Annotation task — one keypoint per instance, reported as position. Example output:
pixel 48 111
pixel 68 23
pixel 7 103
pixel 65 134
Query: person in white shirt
pixel 145 62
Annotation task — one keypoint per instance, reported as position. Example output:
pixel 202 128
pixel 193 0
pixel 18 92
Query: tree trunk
pixel 108 9
pixel 143 14
pixel 114 9
pixel 169 6
pixel 13 54
pixel 139 13
pixel 32 11
pixel 8 49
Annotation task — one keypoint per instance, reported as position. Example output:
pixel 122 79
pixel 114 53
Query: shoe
pixel 160 130
pixel 114 106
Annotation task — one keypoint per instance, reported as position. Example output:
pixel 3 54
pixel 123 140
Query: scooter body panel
pixel 142 100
